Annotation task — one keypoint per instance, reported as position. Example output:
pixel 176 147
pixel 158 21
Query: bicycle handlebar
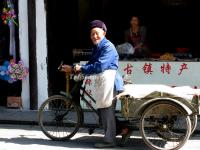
pixel 60 66
pixel 76 76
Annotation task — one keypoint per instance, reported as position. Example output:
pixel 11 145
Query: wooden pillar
pixel 32 55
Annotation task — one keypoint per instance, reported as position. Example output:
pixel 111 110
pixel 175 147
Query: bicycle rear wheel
pixel 194 121
pixel 165 126
pixel 59 118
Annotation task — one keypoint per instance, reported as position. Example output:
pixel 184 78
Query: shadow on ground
pixel 81 142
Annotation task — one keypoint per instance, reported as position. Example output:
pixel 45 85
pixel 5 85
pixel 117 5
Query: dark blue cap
pixel 98 24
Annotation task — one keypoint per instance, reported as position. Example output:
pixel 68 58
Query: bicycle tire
pixel 52 118
pixel 162 132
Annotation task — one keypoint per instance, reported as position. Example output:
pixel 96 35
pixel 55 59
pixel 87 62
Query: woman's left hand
pixel 77 68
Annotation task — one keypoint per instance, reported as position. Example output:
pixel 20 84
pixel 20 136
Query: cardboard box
pixel 14 102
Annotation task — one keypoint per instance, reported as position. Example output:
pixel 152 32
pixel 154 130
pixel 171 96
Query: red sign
pixel 165 68
pixel 147 68
pixel 183 67
pixel 128 69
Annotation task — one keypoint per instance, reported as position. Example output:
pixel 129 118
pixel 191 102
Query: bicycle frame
pixel 83 92
pixel 86 101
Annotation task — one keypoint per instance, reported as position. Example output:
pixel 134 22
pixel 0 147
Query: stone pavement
pixel 23 137
pixel 19 116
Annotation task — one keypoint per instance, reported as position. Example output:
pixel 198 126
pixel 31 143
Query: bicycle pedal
pixel 91 131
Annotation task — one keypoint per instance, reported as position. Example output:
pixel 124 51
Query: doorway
pixel 168 25
pixel 61 32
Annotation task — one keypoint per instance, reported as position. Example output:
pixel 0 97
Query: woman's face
pixel 134 21
pixel 96 35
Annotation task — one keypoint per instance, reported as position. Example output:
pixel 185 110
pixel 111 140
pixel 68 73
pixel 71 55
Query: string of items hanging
pixel 11 70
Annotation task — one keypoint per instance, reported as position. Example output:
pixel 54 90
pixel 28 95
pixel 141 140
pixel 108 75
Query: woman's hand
pixel 66 68
pixel 77 68
pixel 138 46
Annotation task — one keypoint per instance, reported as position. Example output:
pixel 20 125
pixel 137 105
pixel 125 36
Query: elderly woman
pixel 104 64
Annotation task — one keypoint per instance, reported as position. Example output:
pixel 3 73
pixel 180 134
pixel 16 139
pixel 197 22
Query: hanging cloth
pixel 12 46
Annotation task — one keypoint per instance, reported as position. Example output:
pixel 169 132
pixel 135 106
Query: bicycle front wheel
pixel 59 118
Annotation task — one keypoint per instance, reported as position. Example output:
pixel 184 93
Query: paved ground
pixel 29 137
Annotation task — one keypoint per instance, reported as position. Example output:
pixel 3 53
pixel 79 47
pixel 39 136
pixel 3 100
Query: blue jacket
pixel 119 83
pixel 104 57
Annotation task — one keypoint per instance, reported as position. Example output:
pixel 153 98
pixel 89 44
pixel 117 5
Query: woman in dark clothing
pixel 136 35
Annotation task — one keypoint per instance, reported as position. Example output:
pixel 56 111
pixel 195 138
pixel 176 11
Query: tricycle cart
pixel 165 116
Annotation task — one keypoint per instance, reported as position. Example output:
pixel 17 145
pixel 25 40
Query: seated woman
pixel 136 35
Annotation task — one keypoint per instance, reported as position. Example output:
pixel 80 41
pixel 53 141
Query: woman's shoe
pixel 125 137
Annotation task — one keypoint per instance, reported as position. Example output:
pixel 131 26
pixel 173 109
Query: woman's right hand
pixel 138 46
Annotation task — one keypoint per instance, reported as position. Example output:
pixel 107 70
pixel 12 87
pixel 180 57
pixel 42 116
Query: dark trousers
pixel 108 121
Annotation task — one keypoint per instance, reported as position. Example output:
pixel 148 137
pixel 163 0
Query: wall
pixel 24 49
pixel 41 51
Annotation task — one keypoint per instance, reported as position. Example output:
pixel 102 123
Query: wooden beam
pixel 32 55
